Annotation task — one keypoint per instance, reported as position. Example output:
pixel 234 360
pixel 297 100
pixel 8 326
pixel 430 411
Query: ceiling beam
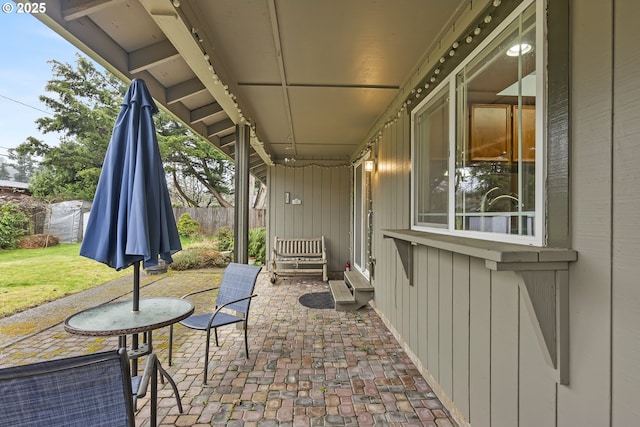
pixel 222 126
pixel 90 39
pixel 184 90
pixel 317 85
pixel 151 56
pixel 202 113
pixel 179 32
pixel 75 9
pixel 228 140
pixel 255 161
pixel 277 40
pixel 260 172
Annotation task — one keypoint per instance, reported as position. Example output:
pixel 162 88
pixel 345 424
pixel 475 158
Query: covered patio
pixel 307 367
pixel 532 322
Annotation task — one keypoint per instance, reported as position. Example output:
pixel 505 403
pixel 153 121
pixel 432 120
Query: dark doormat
pixel 321 300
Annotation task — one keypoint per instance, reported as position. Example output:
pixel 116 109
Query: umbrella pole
pixel 136 286
pixel 136 308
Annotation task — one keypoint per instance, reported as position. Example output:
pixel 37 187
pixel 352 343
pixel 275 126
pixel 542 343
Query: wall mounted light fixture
pixel 369 165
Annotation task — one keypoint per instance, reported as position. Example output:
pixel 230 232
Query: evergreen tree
pixel 85 104
pixel 4 171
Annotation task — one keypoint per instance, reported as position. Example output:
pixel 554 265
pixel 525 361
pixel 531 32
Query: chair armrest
pixel 149 370
pixel 199 292
pixel 226 304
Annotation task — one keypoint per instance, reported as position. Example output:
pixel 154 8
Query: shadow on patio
pixel 307 367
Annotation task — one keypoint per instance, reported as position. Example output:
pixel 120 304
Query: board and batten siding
pixel 324 209
pixel 470 332
pixel 625 207
pixel 469 328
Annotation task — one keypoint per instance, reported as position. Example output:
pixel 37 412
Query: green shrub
pixel 258 244
pixel 188 259
pixel 225 239
pixel 12 222
pixel 187 226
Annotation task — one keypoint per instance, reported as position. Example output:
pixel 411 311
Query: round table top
pixel 118 318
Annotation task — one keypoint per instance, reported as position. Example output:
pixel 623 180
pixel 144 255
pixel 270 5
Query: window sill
pixel 498 256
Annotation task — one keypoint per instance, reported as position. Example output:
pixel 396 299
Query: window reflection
pixel 495 135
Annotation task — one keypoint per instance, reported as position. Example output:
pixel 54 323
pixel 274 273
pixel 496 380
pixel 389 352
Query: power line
pixel 26 105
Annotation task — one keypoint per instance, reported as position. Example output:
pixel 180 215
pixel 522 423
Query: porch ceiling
pixel 312 77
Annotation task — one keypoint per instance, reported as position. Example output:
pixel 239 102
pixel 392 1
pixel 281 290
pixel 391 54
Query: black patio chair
pixel 90 390
pixel 232 306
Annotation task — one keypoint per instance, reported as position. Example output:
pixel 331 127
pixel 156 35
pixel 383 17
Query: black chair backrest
pixel 84 391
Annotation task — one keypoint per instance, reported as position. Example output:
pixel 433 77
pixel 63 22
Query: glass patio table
pixel 119 319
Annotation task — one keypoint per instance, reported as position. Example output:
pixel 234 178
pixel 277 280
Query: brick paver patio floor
pixel 306 367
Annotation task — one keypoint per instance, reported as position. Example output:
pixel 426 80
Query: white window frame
pixel 361 223
pixel 539 237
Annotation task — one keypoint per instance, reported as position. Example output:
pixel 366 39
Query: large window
pixel 477 142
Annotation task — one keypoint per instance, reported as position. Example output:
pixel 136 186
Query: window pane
pixel 495 134
pixel 431 144
pixel 357 212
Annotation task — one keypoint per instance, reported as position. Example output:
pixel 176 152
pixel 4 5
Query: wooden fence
pixel 212 219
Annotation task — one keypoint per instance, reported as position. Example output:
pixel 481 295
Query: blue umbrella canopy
pixel 131 218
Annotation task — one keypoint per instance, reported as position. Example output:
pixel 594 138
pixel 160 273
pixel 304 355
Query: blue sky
pixel 27 45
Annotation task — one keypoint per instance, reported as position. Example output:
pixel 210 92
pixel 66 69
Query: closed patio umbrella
pixel 131 218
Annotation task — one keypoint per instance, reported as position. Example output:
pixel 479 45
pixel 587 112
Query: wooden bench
pixel 298 256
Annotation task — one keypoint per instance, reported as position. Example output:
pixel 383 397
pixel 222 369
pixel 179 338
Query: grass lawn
pixel 30 277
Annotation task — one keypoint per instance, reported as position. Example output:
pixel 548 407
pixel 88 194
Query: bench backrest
pixel 299 247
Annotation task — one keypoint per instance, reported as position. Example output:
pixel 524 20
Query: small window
pixel 477 168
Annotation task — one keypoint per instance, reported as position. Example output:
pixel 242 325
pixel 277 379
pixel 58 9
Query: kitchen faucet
pixel 486 202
